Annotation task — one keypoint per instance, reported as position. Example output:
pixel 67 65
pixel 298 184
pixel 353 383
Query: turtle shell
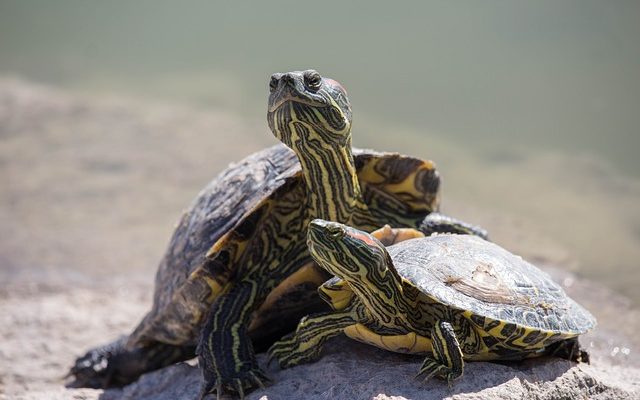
pixel 468 273
pixel 227 205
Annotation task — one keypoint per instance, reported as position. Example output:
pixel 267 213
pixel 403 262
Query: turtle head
pixel 304 106
pixel 346 252
pixel 363 262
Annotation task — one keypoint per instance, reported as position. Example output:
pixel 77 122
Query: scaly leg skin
pixel 305 344
pixel 439 223
pixel 225 352
pixel 283 317
pixel 114 365
pixel 446 362
pixel 569 349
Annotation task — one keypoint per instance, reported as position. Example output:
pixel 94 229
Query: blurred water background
pixel 530 109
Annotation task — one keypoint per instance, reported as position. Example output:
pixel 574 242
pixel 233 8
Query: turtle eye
pixel 312 80
pixel 336 232
pixel 273 84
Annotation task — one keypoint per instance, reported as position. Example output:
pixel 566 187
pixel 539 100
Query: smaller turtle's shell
pixel 468 273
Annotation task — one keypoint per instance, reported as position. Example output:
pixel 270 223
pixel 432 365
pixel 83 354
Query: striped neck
pixel 365 265
pixel 331 178
pixel 380 289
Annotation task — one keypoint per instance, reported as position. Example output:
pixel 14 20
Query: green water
pixel 545 74
pixel 514 99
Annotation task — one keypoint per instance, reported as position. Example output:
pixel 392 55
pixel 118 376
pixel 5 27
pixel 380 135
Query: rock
pixel 44 328
pixel 350 370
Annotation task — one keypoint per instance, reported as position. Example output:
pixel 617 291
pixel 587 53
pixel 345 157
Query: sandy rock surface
pixel 74 197
pixel 44 328
pixel 361 373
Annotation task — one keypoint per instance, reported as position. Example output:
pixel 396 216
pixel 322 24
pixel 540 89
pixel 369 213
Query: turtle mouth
pixel 293 99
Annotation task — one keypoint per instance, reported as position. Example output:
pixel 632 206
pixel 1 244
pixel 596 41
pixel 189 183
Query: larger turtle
pixel 242 244
pixel 448 297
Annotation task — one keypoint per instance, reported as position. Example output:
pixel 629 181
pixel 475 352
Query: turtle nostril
pixel 273 83
pixel 287 79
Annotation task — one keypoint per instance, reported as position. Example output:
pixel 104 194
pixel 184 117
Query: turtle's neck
pixel 333 191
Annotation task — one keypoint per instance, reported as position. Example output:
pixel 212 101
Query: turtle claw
pixel 260 379
pixel 210 388
pixel 269 360
pixel 236 386
pixel 424 375
pixel 96 369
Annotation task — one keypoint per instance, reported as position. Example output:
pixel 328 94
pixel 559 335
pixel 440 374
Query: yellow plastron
pixel 410 343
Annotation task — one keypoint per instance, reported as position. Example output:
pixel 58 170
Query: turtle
pixel 237 270
pixel 448 297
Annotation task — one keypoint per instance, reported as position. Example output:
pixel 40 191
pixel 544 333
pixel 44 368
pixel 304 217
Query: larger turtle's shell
pixel 389 181
pixel 221 205
pixel 468 273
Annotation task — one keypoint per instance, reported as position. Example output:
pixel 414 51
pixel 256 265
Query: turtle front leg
pixel 305 344
pixel 440 223
pixel 446 361
pixel 225 352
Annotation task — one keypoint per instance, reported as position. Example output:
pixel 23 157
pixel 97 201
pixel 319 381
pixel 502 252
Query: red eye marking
pixel 365 238
pixel 336 84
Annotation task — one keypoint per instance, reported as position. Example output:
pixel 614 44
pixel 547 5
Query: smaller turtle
pixel 449 297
